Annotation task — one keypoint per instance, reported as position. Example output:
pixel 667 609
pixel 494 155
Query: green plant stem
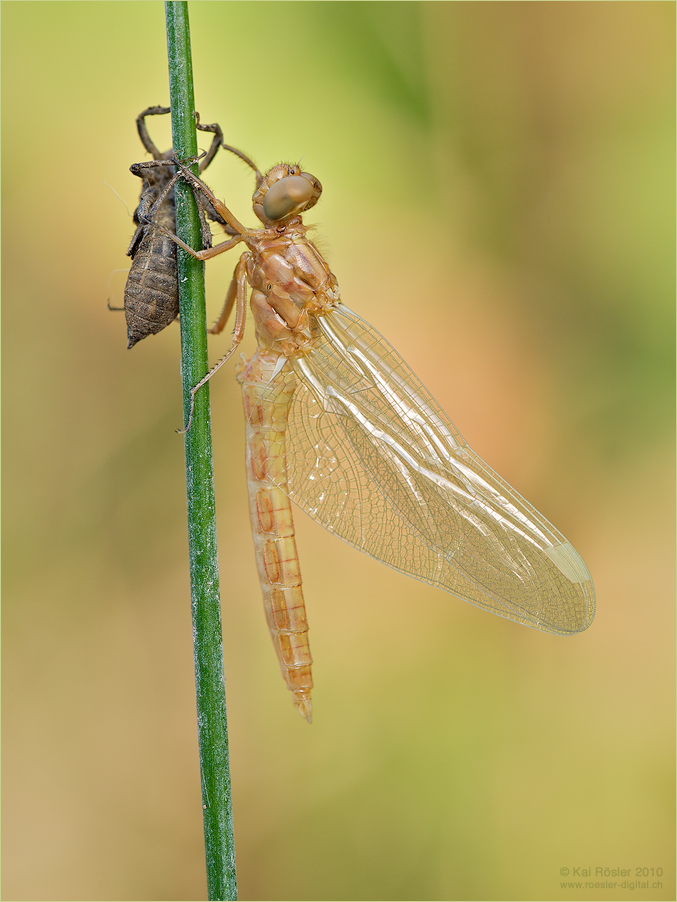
pixel 204 574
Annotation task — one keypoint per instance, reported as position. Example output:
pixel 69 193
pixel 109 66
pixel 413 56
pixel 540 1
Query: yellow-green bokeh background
pixel 499 203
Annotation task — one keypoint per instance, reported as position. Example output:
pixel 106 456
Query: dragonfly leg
pixel 205 254
pixel 148 207
pixel 239 280
pixel 247 160
pixel 218 205
pixel 217 140
pixel 146 139
pixel 231 296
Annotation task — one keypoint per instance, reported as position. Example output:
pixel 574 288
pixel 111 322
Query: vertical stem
pixel 204 575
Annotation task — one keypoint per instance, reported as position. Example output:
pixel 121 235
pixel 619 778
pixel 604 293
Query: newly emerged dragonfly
pixel 338 423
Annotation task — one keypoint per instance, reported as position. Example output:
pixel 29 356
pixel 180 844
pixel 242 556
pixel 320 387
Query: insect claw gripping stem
pixel 194 391
pixel 237 338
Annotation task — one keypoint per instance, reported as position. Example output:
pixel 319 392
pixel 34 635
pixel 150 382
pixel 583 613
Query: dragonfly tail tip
pixel 304 707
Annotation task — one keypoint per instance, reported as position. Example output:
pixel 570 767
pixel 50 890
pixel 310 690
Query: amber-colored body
pixel 374 458
pixel 291 283
pixel 272 522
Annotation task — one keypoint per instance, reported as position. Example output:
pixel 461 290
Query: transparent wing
pixel 374 459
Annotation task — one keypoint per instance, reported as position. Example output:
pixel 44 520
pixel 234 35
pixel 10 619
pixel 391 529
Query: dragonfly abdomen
pixel 267 398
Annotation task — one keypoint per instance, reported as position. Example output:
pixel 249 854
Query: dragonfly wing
pixel 374 459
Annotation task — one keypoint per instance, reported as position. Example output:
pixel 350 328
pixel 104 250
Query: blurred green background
pixel 499 203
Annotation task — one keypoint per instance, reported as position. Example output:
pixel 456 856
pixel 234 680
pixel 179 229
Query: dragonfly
pixel 339 424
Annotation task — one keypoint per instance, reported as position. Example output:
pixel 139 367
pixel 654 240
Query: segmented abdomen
pixel 267 397
pixel 152 290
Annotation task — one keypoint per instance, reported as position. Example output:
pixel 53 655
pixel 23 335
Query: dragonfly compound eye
pixel 288 195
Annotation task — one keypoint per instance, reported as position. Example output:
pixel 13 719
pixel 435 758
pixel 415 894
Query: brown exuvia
pixel 151 292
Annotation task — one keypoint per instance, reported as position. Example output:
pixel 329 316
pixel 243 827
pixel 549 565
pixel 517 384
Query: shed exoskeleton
pixel 151 300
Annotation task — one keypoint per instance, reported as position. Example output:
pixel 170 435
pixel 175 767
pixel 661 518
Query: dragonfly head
pixel 285 191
